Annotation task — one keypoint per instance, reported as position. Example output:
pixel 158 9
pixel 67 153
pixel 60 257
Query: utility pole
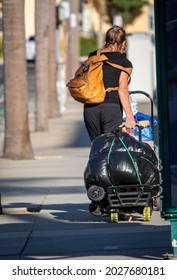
pixel 73 42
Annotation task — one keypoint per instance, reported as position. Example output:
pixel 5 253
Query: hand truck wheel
pixel 114 216
pixel 147 213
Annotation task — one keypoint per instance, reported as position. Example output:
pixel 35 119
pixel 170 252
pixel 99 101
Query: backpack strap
pixel 121 68
pixel 115 65
pixel 98 52
pixel 118 67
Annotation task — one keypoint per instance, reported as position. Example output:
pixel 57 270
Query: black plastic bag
pixel 120 159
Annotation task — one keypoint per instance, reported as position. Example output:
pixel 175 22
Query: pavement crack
pixel 27 239
pixel 44 199
pixel 31 232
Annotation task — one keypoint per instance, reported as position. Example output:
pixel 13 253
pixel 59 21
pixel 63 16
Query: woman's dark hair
pixel 115 35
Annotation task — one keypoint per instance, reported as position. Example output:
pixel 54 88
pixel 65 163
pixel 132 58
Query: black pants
pixel 102 118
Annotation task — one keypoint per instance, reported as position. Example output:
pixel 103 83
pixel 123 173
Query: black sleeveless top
pixel 111 75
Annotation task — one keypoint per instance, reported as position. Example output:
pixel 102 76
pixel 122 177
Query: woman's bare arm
pixel 124 98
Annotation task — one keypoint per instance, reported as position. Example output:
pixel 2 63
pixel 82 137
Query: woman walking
pixel 107 116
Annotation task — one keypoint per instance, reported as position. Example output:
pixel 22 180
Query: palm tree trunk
pixel 17 143
pixel 52 66
pixel 72 62
pixel 41 64
pixel 100 6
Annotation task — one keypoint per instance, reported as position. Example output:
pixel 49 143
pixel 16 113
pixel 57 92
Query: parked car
pixel 30 49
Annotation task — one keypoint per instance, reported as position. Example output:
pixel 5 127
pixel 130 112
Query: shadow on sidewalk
pixel 70 231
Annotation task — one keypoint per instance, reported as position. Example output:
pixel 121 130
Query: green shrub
pixel 87 45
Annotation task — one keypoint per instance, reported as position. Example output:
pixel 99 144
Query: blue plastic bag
pixel 143 117
pixel 146 132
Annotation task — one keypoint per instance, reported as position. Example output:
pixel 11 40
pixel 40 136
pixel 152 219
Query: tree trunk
pixel 17 144
pixel 100 6
pixel 41 63
pixel 52 66
pixel 72 62
pixel 100 33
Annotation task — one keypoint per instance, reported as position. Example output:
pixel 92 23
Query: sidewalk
pixel 55 154
pixel 45 206
pixel 27 186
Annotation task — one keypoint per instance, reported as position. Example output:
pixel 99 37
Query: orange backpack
pixel 87 86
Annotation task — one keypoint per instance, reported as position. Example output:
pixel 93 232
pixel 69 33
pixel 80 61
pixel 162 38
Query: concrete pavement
pixel 45 206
